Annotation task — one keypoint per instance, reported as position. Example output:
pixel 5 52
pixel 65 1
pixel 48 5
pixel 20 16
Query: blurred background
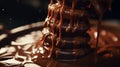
pixel 14 13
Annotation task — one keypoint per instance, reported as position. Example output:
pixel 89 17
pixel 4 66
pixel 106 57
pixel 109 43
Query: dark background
pixel 14 13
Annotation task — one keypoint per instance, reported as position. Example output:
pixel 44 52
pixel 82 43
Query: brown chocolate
pixel 67 34
pixel 68 22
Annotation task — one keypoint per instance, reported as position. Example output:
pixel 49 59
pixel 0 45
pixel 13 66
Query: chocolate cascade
pixel 68 24
pixel 65 34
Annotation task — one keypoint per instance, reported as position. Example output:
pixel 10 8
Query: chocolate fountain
pixel 67 39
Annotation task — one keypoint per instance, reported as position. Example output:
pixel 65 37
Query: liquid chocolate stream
pixel 65 32
pixel 100 11
pixel 61 44
pixel 76 20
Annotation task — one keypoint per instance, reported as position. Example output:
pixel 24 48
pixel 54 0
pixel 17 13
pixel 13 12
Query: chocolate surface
pixel 68 40
pixel 21 49
pixel 71 17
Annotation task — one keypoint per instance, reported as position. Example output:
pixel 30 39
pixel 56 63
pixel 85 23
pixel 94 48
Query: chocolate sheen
pixel 67 23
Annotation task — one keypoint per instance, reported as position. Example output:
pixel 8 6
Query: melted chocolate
pixel 68 22
pixel 67 34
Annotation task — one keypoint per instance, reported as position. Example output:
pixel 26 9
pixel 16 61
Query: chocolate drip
pixel 67 24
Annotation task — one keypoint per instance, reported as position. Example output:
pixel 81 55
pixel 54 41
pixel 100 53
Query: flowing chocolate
pixel 67 34
pixel 67 24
